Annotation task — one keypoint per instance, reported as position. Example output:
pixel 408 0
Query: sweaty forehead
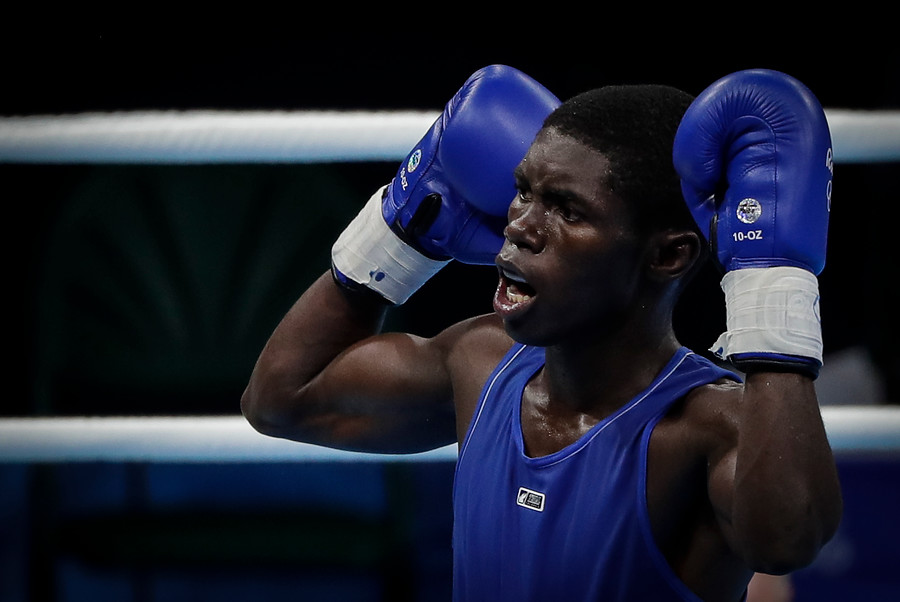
pixel 559 161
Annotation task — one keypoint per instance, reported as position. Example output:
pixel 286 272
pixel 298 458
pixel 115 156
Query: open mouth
pixel 517 288
pixel 513 291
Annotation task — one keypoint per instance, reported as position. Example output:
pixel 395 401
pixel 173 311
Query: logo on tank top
pixel 533 500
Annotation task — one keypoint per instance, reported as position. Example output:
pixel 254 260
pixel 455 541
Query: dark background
pixel 150 290
pixel 124 69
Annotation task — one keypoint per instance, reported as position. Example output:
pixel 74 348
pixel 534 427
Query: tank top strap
pixel 527 359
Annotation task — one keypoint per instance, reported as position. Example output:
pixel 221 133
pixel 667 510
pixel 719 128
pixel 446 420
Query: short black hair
pixel 634 127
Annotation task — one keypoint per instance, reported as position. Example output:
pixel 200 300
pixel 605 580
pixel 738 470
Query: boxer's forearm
pixel 323 322
pixel 786 496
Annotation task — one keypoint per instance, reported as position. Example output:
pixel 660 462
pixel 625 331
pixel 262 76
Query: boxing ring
pixel 204 137
pixel 174 448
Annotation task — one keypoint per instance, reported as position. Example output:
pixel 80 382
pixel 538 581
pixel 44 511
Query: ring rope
pixel 852 430
pixel 211 137
pixel 307 136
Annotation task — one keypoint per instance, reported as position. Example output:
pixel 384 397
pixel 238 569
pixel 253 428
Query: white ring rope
pixel 167 439
pixel 852 430
pixel 306 136
pixel 212 137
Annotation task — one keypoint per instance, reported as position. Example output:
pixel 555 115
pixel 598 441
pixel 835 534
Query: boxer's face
pixel 570 265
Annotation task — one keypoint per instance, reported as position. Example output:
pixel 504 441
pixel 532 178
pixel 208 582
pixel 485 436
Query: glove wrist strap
pixel 772 319
pixel 369 253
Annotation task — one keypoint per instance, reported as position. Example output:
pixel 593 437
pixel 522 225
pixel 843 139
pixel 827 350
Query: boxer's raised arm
pixel 324 377
pixel 754 155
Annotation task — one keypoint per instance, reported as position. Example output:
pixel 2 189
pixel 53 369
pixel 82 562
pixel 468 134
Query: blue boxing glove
pixel 450 196
pixel 754 155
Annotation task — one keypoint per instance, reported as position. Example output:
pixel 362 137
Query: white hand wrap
pixel 771 310
pixel 369 253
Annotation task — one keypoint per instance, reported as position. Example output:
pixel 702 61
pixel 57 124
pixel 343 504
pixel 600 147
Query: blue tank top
pixel 572 525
